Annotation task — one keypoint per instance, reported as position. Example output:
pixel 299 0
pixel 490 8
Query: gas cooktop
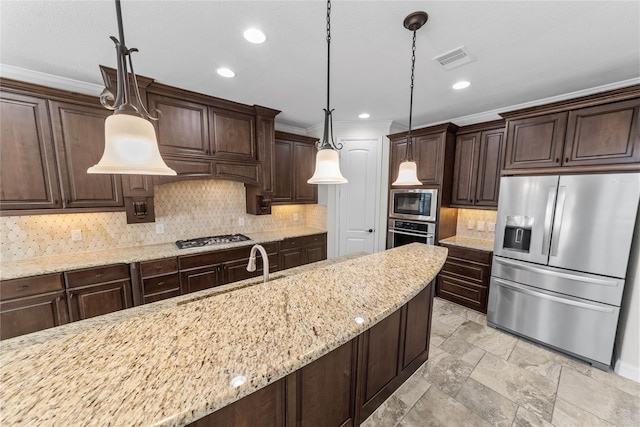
pixel 211 240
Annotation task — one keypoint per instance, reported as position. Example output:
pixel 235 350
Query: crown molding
pixel 44 79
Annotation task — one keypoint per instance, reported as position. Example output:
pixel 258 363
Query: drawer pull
pixel 160 283
pixel 99 274
pixel 22 288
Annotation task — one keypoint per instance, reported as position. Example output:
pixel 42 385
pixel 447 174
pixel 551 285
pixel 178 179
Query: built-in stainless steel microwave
pixel 419 204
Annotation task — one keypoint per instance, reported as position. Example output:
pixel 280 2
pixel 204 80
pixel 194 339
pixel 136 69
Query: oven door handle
pixel 410 234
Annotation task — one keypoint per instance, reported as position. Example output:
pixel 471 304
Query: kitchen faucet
pixel 265 262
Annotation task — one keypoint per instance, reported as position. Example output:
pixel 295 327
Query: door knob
pixel 370 230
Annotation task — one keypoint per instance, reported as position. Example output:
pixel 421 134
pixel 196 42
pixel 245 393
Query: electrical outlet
pixel 241 221
pixel 295 216
pixel 76 235
pixel 159 228
pixel 470 225
pixel 492 226
pixel 480 225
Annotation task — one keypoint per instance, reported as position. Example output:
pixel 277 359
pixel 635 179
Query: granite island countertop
pixel 172 362
pixel 469 242
pixel 75 261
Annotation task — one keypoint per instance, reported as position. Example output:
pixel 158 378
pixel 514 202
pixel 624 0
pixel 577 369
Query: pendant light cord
pixel 327 138
pixel 409 153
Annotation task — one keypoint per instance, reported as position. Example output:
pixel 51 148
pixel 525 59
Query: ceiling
pixel 525 51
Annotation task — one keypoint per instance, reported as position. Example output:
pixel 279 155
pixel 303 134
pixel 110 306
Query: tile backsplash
pixel 477 219
pixel 187 210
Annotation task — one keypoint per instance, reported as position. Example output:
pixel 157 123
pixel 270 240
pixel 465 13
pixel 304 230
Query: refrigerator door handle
pixel 585 279
pixel 548 216
pixel 546 296
pixel 557 224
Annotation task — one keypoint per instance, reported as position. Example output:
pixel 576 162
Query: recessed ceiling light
pixel 254 35
pixel 462 84
pixel 364 116
pixel 225 72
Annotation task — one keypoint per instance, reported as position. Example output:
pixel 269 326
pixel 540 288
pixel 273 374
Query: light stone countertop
pixel 469 242
pixel 171 362
pixel 75 261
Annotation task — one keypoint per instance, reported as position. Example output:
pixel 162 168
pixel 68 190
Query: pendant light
pixel 131 146
pixel 408 170
pixel 327 161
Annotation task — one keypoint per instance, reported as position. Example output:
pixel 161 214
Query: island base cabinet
pixel 30 314
pixel 264 408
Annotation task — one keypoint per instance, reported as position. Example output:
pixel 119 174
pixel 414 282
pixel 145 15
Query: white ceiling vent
pixel 455 58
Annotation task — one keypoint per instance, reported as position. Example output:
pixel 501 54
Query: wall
pixel 474 215
pixel 187 209
pixel 627 351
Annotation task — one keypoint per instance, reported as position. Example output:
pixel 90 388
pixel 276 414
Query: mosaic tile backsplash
pixel 467 217
pixel 187 209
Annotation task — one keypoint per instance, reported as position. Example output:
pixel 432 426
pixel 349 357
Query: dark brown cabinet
pixel 95 291
pixel 295 159
pixel 433 151
pixel 28 172
pixel 598 132
pixel 478 163
pixel 79 136
pixel 464 278
pixel 302 250
pixel 32 304
pixel 236 268
pixel 393 350
pixel 159 279
pixel 232 135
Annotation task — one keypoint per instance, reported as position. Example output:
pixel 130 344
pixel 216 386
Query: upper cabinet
pixel 598 132
pixel 433 151
pixel 28 172
pixel 232 135
pixel 295 156
pixel 78 131
pixel 478 163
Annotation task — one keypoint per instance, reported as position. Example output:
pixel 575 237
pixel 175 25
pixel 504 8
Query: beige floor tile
pixel 440 331
pixel 448 307
pixel 492 340
pixel 566 414
pixel 532 391
pixel 461 349
pixel 446 372
pixel 412 389
pixel 490 405
pixel 544 361
pixel 602 400
pixel 436 409
pixel 388 414
pixel 615 380
pixel 526 418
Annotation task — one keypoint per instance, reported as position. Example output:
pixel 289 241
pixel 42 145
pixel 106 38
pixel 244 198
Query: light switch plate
pixel 492 226
pixel 295 216
pixel 241 221
pixel 480 225
pixel 159 228
pixel 470 225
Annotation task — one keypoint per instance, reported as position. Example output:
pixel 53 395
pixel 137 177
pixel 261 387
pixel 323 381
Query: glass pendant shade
pixel 407 174
pixel 327 168
pixel 130 147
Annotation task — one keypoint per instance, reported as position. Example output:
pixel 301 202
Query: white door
pixel 358 200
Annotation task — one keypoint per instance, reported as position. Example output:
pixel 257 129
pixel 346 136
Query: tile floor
pixel 479 376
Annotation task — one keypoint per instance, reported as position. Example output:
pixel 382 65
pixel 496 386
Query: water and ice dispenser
pixel 517 233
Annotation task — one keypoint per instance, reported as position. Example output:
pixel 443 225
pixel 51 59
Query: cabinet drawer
pixel 160 284
pixel 97 275
pixel 468 254
pixel 299 242
pixel 462 292
pixel 27 286
pixel 466 269
pixel 160 296
pixel 162 266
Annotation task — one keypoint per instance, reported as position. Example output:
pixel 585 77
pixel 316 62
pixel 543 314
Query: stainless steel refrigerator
pixel 560 260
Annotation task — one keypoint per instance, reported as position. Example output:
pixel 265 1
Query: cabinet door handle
pixel 57 301
pixel 566 160
pixel 557 160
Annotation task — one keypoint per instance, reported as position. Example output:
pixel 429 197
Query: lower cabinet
pixel 32 304
pixel 95 291
pixel 160 279
pixel 343 387
pixel 465 276
pixel 297 251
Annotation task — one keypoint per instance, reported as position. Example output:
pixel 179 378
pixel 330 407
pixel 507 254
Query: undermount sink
pixel 226 291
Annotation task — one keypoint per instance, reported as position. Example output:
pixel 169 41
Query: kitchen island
pixel 176 361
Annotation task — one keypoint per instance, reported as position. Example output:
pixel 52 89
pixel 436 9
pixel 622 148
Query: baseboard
pixel 627 370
